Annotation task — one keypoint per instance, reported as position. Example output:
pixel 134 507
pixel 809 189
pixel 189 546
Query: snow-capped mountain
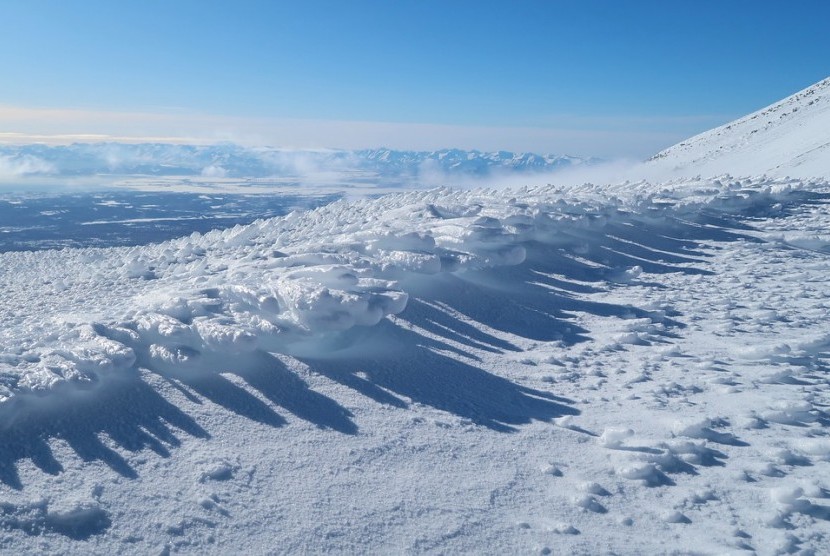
pixel 789 137
pixel 464 162
pixel 234 161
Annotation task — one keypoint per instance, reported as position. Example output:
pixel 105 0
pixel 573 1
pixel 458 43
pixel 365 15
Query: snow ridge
pixel 788 137
pixel 298 283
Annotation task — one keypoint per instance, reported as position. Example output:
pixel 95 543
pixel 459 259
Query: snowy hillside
pixel 234 161
pixel 635 369
pixel 789 138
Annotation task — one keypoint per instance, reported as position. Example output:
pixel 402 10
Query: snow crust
pixel 638 368
pixel 294 285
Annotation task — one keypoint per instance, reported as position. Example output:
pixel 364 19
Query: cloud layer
pixel 607 138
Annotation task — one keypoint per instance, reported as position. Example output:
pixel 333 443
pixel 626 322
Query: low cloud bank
pixel 22 165
pixel 386 167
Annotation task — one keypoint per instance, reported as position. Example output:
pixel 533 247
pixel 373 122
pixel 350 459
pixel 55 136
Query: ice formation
pixel 292 284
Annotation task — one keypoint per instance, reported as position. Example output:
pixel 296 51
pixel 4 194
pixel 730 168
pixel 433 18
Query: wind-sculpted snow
pixel 73 319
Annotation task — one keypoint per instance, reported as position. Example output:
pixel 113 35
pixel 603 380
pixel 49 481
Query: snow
pixel 631 368
pixel 432 351
pixel 289 284
pixel 788 138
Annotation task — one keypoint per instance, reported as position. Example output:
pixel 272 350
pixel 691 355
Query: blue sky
pixel 601 77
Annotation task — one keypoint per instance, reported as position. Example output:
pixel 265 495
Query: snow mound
pixel 297 284
pixel 788 138
pixel 77 522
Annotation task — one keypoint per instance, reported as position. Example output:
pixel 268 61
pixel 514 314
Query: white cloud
pixel 214 171
pixel 15 166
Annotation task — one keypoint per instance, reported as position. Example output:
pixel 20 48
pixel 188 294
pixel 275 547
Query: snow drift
pixel 296 284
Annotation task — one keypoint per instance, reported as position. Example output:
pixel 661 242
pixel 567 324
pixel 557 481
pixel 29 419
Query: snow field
pixel 639 369
pixel 288 284
pixel 733 408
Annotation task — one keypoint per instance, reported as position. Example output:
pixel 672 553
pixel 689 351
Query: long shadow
pixel 419 372
pixel 431 361
pixel 225 393
pixel 262 372
pixel 269 376
pixel 523 301
pixel 535 300
pixel 507 299
pixel 127 410
pixel 441 322
pixel 134 416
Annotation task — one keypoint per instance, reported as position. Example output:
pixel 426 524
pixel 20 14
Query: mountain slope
pixel 635 369
pixel 790 137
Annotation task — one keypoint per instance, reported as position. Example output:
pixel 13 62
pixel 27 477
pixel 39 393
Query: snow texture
pixel 788 138
pixel 292 285
pixel 630 303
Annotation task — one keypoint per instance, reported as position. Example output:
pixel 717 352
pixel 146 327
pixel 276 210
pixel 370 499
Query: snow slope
pixel 634 369
pixel 788 138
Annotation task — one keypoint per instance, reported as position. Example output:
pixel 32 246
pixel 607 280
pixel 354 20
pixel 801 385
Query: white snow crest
pixel 788 138
pixel 291 284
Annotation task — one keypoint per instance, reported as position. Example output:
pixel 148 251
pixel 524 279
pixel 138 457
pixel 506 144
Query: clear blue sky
pixel 648 69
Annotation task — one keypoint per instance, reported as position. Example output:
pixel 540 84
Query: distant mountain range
pixel 234 161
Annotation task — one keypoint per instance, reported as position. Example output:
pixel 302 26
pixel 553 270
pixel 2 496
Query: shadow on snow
pixel 429 356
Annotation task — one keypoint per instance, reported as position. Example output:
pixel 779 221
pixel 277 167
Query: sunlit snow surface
pixel 639 368
pixel 788 138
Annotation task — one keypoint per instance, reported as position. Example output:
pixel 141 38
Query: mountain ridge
pixel 234 161
pixel 790 137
